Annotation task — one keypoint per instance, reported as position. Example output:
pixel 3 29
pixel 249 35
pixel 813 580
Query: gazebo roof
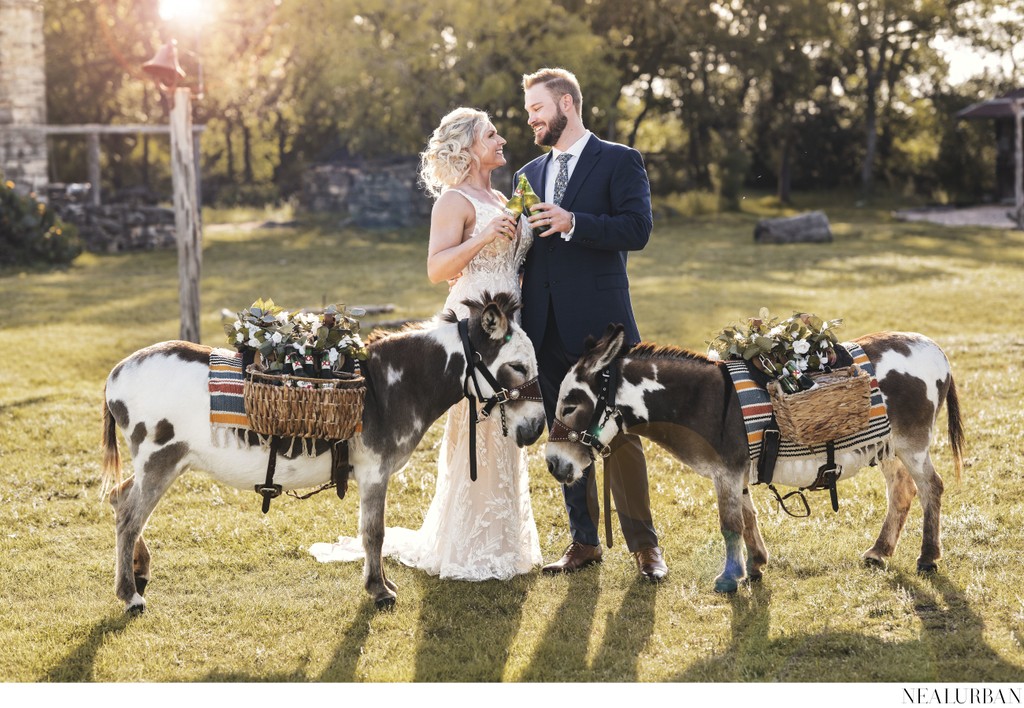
pixel 1001 107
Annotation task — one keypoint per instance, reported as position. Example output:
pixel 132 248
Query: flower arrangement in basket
pixel 296 386
pixel 812 402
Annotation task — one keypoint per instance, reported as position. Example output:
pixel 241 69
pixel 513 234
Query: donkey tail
pixel 111 455
pixel 955 428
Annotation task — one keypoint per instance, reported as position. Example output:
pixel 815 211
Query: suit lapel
pixel 588 158
pixel 536 174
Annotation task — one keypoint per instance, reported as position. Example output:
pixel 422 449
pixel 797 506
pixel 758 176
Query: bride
pixel 484 529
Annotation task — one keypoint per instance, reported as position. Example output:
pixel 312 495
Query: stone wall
pixel 23 157
pixel 111 228
pixel 374 193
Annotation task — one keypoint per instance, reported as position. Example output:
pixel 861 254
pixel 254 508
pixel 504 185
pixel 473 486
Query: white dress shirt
pixel 576 149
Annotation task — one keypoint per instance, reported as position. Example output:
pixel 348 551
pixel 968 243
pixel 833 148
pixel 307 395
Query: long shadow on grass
pixel 466 629
pixel 950 648
pixel 562 654
pixel 342 668
pixel 79 665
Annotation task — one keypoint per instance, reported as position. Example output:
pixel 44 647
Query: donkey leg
pixel 730 516
pixel 929 488
pixel 757 553
pixel 133 503
pixel 900 491
pixel 371 519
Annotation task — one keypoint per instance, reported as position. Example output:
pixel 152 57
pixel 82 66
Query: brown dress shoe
pixel 650 564
pixel 576 557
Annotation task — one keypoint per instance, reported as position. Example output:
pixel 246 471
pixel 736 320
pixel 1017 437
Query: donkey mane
pixel 650 350
pixel 506 302
pixel 379 334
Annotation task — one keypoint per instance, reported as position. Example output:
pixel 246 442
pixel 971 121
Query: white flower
pixel 776 331
pixel 713 355
pixel 801 363
pixel 239 337
pixel 277 338
pixel 824 345
pixel 238 326
pixel 800 346
pixel 253 342
pixel 332 355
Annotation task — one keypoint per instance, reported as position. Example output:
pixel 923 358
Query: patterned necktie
pixel 562 180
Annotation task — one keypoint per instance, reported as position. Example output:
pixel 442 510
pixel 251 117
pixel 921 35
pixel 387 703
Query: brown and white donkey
pixel 687 403
pixel 159 397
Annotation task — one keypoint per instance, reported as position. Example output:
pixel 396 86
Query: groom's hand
pixel 551 218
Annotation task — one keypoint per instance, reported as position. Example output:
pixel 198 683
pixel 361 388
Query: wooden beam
pixel 90 128
pixel 93 161
pixel 1018 162
pixel 186 214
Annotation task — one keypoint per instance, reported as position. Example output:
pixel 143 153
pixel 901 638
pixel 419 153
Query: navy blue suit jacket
pixel 584 279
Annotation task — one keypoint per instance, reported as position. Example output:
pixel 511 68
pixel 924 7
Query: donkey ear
pixel 607 349
pixel 493 321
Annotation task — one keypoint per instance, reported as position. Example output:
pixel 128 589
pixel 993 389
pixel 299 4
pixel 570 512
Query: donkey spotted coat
pixel 687 403
pixel 159 398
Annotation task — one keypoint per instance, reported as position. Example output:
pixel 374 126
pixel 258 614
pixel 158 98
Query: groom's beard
pixel 554 131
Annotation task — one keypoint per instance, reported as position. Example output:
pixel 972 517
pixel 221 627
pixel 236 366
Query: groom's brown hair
pixel 559 82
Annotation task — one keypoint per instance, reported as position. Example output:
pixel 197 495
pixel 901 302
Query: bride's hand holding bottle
pixel 503 225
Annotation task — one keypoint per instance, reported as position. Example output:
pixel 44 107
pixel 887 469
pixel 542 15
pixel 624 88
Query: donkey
pixel 159 398
pixel 687 403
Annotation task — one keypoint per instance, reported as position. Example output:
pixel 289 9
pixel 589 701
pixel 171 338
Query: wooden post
pixel 93 161
pixel 1018 163
pixel 186 214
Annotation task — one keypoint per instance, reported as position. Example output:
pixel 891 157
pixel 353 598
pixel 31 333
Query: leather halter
pixel 604 411
pixel 529 391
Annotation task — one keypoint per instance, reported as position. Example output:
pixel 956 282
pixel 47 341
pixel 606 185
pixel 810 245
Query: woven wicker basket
pixel 840 405
pixel 294 406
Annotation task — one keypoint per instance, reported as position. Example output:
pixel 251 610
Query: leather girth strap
pixel 268 490
pixel 341 468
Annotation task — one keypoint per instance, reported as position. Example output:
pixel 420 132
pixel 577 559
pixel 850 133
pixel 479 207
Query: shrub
pixel 30 233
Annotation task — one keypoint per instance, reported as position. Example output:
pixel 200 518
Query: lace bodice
pixel 496 266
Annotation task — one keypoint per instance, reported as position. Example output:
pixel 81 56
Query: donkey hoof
pixel 927 567
pixel 754 576
pixel 874 562
pixel 135 606
pixel 140 584
pixel 726 585
pixel 385 603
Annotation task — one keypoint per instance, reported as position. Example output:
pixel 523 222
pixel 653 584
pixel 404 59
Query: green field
pixel 236 597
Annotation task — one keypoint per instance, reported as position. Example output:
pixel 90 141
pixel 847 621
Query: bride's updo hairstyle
pixel 448 158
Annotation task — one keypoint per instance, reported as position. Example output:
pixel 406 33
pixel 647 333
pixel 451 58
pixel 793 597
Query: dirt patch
pixel 996 217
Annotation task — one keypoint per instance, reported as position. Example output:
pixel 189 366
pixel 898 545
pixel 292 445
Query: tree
pixel 881 41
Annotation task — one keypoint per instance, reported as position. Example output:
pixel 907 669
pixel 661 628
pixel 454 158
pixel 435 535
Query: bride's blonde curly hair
pixel 448 158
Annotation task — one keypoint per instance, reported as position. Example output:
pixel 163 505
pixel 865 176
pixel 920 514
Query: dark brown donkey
pixel 159 397
pixel 686 403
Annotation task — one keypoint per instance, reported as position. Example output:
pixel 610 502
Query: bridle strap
pixel 528 391
pixel 604 410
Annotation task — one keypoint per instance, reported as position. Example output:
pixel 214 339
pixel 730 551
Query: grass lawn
pixel 236 597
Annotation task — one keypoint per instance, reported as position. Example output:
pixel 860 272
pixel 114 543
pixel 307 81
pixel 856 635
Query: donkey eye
pixel 568 410
pixel 518 368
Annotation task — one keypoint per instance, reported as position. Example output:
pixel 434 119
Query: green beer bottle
pixel 530 199
pixel 514 206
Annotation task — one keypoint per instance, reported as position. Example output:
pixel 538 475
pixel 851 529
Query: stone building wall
pixel 23 157
pixel 130 225
pixel 374 193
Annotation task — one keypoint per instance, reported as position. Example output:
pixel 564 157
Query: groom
pixel 596 206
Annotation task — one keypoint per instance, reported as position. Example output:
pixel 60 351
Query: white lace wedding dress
pixel 478 530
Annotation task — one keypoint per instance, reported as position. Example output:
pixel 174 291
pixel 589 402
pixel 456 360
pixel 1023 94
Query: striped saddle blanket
pixel 757 410
pixel 227 388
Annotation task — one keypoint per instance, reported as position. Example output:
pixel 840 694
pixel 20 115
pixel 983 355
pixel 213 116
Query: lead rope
pixel 470 376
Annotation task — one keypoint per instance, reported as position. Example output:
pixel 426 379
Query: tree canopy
pixel 778 95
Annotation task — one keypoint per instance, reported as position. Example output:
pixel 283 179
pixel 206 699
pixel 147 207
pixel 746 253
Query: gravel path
pixel 997 217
